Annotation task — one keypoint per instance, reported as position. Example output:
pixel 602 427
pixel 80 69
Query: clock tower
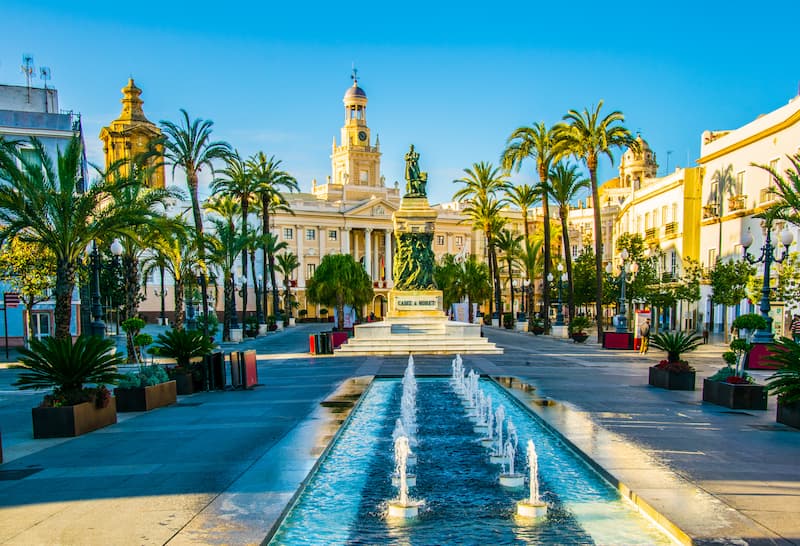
pixel 356 162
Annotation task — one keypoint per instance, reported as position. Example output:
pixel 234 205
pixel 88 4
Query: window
pixel 29 155
pixel 459 240
pixel 574 251
pixel 311 234
pixel 674 263
pixel 288 233
pixel 712 257
pixel 665 215
pixel 739 188
pixel 310 269
pixel 332 234
pixel 646 220
pixel 363 178
pixel 440 240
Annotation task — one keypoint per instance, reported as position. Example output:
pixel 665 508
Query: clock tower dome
pixel 357 160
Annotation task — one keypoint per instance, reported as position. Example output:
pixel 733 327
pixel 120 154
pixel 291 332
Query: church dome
pixel 355 92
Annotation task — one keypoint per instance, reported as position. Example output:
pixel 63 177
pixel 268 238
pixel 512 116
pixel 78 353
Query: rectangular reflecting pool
pixel 345 500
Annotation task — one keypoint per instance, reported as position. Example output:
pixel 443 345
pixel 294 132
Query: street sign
pixel 11 299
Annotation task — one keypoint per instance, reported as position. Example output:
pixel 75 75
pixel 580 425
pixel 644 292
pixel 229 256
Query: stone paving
pixel 219 467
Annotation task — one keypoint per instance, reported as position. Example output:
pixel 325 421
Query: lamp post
pixel 560 312
pixel 767 257
pixel 259 306
pixel 162 294
pixel 98 326
pixel 234 318
pixel 191 319
pixel 622 319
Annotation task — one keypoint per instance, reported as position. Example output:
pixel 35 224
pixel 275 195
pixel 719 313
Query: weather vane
pixel 354 76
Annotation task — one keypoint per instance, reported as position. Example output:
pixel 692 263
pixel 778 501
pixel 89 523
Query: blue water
pixel 345 501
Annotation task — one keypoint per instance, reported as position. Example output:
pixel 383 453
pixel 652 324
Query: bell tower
pixel 130 135
pixel 357 160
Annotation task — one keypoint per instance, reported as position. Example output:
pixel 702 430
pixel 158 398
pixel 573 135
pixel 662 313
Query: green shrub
pixel 145 377
pixel 66 367
pixel 750 322
pixel 183 345
pixel 675 344
pixel 785 382
pixel 579 324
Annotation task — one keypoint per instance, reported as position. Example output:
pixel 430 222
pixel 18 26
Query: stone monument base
pixel 416 324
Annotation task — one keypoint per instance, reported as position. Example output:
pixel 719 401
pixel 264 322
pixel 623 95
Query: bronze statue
pixel 415 180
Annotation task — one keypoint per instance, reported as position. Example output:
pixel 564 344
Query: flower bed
pixel 68 421
pixel 736 394
pixel 675 376
pixel 146 398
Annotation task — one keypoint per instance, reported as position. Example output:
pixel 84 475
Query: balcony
pixel 650 234
pixel 767 195
pixel 710 211
pixel 737 202
pixel 670 228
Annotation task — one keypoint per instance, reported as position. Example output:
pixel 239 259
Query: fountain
pixel 403 507
pixel 488 440
pixel 481 422
pixel 533 507
pixel 511 479
pixel 497 456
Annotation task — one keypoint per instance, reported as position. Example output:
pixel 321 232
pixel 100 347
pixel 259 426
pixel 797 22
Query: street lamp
pixel 98 326
pixel 191 319
pixel 767 257
pixel 259 306
pixel 622 319
pixel 234 318
pixel 162 294
pixel 560 310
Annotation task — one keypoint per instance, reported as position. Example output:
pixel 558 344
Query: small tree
pixel 728 284
pixel 338 281
pixel 29 269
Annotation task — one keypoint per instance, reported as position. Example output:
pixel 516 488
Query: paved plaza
pixel 219 467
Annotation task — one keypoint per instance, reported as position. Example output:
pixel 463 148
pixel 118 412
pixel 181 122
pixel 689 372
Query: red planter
pixel 146 398
pixel 68 421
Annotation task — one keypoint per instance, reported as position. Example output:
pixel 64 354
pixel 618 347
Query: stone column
pixel 368 252
pixel 355 244
pixel 322 233
pixel 387 262
pixel 301 235
pixel 345 240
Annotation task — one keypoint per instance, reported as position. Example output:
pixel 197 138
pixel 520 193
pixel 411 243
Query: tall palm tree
pixel 510 244
pixel 287 264
pixel 565 185
pixel 524 197
pixel 188 146
pixel 476 282
pixel 238 182
pixel 587 136
pixel 533 259
pixel 227 208
pixel 536 142
pixel 226 244
pixel 482 183
pixel 269 180
pixel 176 253
pixel 272 246
pixel 41 203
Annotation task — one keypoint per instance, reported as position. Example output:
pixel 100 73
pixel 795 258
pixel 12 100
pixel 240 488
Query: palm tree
pixel 40 203
pixel 226 245
pixel 271 246
pixel 565 185
pixel 510 244
pixel 338 281
pixel 533 259
pixel 788 190
pixel 269 179
pixel 481 184
pixel 286 266
pixel 238 182
pixel 176 253
pixel 587 136
pixel 475 281
pixel 188 146
pixel 536 142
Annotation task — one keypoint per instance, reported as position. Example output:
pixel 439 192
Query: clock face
pixel 362 135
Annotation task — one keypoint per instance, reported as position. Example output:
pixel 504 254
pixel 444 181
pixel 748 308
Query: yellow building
pixel 131 134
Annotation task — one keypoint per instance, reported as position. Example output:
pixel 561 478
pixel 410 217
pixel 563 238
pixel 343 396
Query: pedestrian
pixel 705 334
pixel 795 328
pixel 644 334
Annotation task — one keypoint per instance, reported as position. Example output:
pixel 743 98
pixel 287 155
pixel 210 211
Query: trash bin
pixel 214 370
pixel 244 373
pixel 326 345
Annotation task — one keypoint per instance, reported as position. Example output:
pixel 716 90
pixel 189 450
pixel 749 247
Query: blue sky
pixel 453 78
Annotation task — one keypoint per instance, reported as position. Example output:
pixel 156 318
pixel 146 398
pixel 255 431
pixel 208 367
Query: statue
pixel 415 180
pixel 414 261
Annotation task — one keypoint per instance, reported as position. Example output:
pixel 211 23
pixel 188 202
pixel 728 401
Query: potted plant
pixel 578 327
pixel 272 323
pixel 731 386
pixel 71 409
pixel 508 321
pixel 184 346
pixel 538 326
pixel 674 373
pixel 303 313
pixel 251 326
pixel 323 313
pixel 785 382
pixel 147 389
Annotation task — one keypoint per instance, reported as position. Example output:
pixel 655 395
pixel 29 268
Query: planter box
pixel 71 421
pixel 671 380
pixel 789 414
pixel 735 396
pixel 146 398
pixel 580 338
pixel 184 383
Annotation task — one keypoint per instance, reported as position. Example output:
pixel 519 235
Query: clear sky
pixel 454 78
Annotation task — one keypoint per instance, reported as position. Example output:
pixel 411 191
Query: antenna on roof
pixel 27 69
pixel 44 74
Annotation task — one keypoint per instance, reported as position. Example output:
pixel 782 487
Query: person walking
pixel 795 328
pixel 644 334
